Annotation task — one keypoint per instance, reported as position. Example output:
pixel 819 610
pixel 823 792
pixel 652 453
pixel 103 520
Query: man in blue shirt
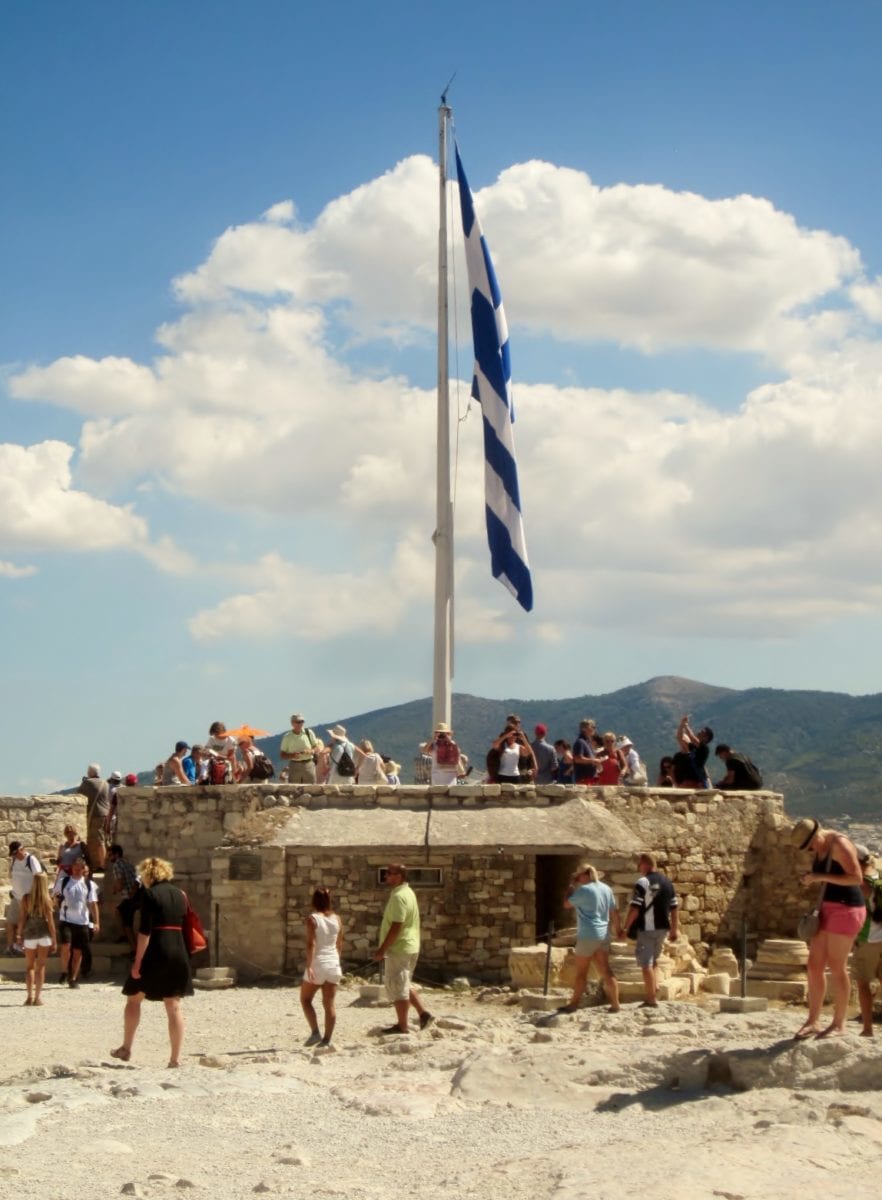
pixel 596 910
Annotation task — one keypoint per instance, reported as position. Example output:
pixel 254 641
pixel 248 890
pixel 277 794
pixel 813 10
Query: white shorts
pixel 322 974
pixel 34 943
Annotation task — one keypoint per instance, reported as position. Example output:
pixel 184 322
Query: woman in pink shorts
pixel 324 940
pixel 842 915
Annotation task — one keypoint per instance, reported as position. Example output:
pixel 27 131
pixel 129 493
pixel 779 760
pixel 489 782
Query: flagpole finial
pixel 447 89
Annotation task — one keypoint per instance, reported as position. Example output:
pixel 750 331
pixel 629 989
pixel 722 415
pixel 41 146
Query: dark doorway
pixel 553 873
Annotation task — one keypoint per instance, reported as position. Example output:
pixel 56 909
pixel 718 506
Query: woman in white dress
pixel 324 941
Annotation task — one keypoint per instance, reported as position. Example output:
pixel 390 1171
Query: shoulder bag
pixel 810 922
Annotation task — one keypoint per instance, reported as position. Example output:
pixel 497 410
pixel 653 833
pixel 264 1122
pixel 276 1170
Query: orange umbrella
pixel 247 731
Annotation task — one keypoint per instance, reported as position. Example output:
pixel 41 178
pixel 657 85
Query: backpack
pixel 261 769
pixel 446 752
pixel 217 770
pixel 422 768
pixel 874 903
pixel 752 770
pixel 344 764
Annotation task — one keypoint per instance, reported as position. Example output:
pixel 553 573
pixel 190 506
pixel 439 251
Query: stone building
pixel 491 862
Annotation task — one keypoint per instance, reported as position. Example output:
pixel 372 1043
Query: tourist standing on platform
pixel 299 749
pixel 324 941
pixel 445 755
pixel 842 912
pixel 545 755
pixel 97 794
pixel 161 970
pixel 37 933
pixel 400 948
pixel 653 916
pixel 585 762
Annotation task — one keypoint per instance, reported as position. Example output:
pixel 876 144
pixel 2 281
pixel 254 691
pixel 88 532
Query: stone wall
pixel 727 854
pixel 38 823
pixel 482 907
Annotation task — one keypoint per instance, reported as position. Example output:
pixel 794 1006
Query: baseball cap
pixel 14 848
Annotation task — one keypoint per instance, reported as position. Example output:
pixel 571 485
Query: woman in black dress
pixel 161 970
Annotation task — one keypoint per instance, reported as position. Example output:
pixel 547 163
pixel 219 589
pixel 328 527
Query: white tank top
pixel 326 929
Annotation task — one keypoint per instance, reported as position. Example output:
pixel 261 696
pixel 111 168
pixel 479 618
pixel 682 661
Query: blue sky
pixel 217 358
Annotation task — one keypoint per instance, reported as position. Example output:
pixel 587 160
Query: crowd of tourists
pixel 592 759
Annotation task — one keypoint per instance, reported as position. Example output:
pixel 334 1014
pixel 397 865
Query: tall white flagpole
pixel 443 535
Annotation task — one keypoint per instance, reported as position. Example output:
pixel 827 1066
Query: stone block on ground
pixel 526 965
pixel 778 989
pixel 536 1001
pixel 743 1004
pixel 675 988
pixel 717 984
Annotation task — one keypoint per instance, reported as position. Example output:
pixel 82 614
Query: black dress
pixel 165 969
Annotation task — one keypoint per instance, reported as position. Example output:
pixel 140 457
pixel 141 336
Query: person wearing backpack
pixel 444 753
pixel 299 750
pixel 741 774
pixel 866 958
pixel 77 899
pixel 341 758
pixel 22 869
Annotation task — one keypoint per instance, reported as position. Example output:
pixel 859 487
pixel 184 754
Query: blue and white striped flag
pixel 491 387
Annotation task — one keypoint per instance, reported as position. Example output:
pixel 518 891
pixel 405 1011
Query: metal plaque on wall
pixel 245 866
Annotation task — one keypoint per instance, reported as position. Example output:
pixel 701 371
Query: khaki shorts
pixel 649 946
pixel 588 947
pixel 399 975
pixel 13 910
pixel 866 962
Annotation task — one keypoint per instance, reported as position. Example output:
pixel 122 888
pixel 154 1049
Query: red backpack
pixel 446 752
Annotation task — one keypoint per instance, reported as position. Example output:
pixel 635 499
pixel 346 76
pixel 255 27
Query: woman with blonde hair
pixel 37 931
pixel 324 941
pixel 369 764
pixel 161 970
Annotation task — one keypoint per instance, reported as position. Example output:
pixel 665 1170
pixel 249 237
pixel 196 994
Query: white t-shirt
pixel 21 875
pixel 76 896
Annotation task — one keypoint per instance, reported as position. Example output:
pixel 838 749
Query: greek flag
pixel 491 387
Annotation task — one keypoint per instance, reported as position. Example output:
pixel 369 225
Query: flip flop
pixel 807 1031
pixel 121 1053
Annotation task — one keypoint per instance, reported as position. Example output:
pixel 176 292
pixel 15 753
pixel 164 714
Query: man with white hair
pixel 97 794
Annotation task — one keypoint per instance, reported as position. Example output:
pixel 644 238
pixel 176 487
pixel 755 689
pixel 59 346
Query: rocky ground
pixel 677 1103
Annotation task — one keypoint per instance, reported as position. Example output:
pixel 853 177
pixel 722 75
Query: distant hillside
pixel 823 750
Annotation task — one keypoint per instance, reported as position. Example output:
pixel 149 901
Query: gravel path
pixel 682 1102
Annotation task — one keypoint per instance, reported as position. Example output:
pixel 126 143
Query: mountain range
pixel 821 749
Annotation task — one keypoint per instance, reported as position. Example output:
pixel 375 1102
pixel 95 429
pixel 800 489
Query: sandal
pixel 807 1031
pixel 121 1053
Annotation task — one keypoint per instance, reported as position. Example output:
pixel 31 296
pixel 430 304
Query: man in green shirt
pixel 298 748
pixel 400 947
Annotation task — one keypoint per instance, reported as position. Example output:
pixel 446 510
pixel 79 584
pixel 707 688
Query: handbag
pixel 191 927
pixel 810 922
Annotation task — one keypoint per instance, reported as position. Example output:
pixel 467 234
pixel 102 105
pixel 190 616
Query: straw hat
pixel 803 832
